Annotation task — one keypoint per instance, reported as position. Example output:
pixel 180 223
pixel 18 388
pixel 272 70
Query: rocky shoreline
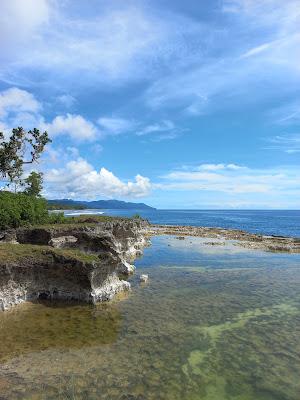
pixel 89 261
pixel 85 261
pixel 239 237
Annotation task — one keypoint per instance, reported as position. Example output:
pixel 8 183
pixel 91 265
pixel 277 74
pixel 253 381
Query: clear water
pixel 212 323
pixel 267 222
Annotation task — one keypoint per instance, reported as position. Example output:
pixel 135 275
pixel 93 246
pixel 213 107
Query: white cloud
pixel 270 13
pixel 15 100
pixel 163 126
pixel 66 100
pixel 19 21
pixel 159 131
pixel 289 143
pixel 21 108
pixel 111 44
pixel 116 126
pixel 247 70
pixel 233 179
pixel 216 167
pixel 256 50
pixel 80 180
pixel 162 130
pixel 287 114
pixel 75 126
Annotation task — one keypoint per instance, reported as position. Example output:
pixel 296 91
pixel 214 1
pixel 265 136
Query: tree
pixel 19 209
pixel 22 147
pixel 34 184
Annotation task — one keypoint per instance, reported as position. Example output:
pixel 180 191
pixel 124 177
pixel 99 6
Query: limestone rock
pixel 144 277
pixel 71 262
pixel 63 241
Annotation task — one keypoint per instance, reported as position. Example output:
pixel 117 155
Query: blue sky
pixel 178 104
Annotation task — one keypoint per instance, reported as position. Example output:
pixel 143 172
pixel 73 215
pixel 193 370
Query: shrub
pixel 57 218
pixel 136 216
pixel 18 209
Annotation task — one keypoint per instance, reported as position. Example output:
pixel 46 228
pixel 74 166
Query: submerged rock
pixel 214 243
pixel 241 238
pixel 144 277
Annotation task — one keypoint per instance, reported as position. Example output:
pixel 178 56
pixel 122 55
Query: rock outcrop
pixel 84 262
pixel 239 237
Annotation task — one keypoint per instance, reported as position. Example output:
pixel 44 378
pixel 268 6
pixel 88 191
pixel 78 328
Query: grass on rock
pixel 18 252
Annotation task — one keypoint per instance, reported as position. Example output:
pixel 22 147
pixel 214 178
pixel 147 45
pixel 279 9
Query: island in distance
pixel 97 204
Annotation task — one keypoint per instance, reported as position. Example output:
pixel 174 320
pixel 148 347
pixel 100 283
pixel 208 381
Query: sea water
pixel 267 222
pixel 212 323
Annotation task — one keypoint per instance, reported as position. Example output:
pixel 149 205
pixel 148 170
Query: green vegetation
pixel 22 209
pixel 23 147
pixel 19 209
pixel 63 206
pixel 136 216
pixel 27 207
pixel 34 184
pixel 62 222
pixel 11 253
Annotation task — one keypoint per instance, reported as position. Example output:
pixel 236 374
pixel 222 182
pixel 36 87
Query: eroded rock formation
pixel 85 262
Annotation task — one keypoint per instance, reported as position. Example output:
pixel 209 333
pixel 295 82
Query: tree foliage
pixel 18 209
pixel 22 147
pixel 34 184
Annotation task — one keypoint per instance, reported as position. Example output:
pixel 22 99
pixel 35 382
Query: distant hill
pixel 98 204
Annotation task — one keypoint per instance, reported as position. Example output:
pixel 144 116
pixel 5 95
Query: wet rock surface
pixel 87 261
pixel 241 238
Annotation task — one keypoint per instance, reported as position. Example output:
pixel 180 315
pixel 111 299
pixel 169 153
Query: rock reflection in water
pixel 54 325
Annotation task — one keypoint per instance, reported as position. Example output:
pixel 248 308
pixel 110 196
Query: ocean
pixel 211 323
pixel 266 222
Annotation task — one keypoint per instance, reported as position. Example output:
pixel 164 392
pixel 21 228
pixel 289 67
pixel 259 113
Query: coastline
pixel 240 237
pixel 88 261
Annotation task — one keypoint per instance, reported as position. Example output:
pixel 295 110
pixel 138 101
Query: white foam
pixel 70 213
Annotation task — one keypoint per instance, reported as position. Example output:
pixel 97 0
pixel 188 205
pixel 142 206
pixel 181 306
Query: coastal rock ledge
pixel 86 262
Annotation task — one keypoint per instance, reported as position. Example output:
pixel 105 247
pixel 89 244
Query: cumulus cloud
pixel 80 180
pixel 21 108
pixel 15 100
pixel 75 126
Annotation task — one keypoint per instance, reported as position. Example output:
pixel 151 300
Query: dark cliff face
pixel 80 262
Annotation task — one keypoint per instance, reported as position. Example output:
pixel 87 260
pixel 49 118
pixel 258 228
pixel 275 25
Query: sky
pixel 192 104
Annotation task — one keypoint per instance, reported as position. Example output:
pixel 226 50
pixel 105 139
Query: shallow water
pixel 212 323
